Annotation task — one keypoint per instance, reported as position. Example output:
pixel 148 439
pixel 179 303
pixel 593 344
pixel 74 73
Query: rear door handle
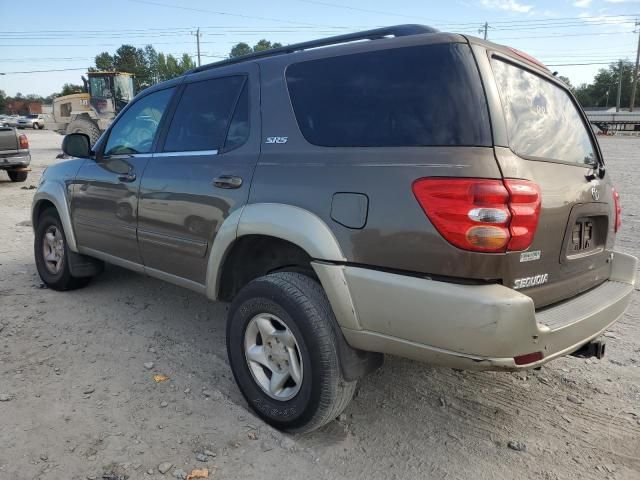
pixel 129 177
pixel 227 181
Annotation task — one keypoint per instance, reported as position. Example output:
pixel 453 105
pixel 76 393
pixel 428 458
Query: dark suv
pixel 423 194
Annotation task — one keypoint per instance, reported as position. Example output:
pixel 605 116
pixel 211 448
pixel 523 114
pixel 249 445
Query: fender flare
pixel 287 222
pixel 55 193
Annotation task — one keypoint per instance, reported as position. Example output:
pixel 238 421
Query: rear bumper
pixel 478 327
pixel 15 160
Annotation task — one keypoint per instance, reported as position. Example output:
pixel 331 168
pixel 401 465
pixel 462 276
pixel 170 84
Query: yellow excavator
pixel 91 112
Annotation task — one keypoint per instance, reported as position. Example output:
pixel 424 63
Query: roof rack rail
pixel 395 31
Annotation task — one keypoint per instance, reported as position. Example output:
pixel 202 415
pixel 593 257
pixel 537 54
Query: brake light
pixel 618 207
pixel 23 142
pixel 481 215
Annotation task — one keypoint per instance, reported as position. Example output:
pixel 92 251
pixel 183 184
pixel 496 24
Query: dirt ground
pixel 77 400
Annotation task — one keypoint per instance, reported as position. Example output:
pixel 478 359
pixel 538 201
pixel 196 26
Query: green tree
pixel 104 61
pixel 132 60
pixel 69 88
pixel 3 100
pixel 567 82
pixel 151 58
pixel 242 48
pixel 603 91
pixel 147 65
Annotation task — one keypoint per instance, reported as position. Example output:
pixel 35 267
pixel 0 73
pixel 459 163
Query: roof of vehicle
pixel 378 33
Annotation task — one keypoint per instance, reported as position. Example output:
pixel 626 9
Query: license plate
pixel 582 236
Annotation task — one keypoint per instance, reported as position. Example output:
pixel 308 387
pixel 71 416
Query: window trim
pixel 162 139
pixel 154 145
pixel 556 83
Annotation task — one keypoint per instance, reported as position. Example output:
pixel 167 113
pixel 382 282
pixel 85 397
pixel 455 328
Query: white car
pixel 35 121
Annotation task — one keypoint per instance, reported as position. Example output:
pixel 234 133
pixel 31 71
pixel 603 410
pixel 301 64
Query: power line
pixel 346 7
pixel 44 71
pixel 239 15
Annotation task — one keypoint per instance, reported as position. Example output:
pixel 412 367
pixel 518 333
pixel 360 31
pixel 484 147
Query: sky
pixel 573 37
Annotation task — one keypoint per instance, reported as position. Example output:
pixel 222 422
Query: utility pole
pixel 635 72
pixel 619 87
pixel 484 29
pixel 198 35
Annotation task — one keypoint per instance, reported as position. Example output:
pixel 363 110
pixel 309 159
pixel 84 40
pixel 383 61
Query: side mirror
pixel 76 145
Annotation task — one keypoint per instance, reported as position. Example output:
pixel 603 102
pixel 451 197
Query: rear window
pixel 414 96
pixel 542 120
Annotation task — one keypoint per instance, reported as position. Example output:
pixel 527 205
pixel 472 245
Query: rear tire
pixel 52 255
pixel 17 176
pixel 295 306
pixel 86 126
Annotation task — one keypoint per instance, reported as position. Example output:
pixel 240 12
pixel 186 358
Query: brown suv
pixel 423 194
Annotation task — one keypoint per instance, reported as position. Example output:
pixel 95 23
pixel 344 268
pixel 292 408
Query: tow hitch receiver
pixel 594 348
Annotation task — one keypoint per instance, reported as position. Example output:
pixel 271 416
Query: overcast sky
pixel 574 37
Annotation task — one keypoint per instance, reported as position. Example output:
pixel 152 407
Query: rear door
pixel 547 140
pixel 202 171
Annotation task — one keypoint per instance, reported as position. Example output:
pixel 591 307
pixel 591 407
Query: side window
pixel 135 130
pixel 542 121
pixel 203 115
pixel 239 128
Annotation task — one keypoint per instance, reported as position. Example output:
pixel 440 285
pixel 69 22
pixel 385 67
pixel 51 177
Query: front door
pixel 202 171
pixel 105 196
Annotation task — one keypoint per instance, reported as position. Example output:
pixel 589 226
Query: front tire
pixel 282 342
pixel 86 126
pixel 52 253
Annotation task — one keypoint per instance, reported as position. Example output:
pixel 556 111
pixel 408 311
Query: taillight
pixel 23 141
pixel 479 214
pixel 616 201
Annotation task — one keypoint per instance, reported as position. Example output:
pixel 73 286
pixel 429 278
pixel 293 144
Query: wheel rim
pixel 273 356
pixel 53 249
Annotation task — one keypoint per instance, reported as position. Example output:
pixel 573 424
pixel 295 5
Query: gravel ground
pixel 78 399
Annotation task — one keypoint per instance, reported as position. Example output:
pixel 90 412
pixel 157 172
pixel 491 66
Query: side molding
pixel 55 193
pixel 294 224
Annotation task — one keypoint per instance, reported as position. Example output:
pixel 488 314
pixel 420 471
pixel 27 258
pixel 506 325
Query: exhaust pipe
pixel 594 348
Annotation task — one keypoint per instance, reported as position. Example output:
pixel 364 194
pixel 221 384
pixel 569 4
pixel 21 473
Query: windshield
pixel 32 116
pixel 99 87
pixel 542 120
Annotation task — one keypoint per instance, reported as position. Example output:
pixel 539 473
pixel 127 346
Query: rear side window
pixel 542 120
pixel 414 96
pixel 203 114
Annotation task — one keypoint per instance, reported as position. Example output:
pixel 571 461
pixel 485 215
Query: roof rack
pixel 395 31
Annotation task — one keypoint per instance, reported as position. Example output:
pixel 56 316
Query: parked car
pixel 4 120
pixel 422 194
pixel 12 120
pixel 14 154
pixel 35 121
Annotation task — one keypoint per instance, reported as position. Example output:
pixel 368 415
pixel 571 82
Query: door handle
pixel 128 177
pixel 227 181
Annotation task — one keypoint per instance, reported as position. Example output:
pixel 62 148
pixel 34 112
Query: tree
pixel 3 100
pixel 104 62
pixel 244 49
pixel 70 88
pixel 603 91
pixel 147 65
pixel 151 57
pixel 132 60
pixel 240 49
pixel 567 82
